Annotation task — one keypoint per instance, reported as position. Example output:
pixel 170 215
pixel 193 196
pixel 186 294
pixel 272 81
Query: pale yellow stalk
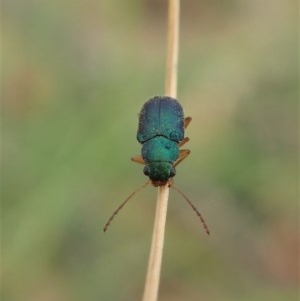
pixel 155 258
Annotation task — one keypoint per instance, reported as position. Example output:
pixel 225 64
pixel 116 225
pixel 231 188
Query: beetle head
pixel 159 172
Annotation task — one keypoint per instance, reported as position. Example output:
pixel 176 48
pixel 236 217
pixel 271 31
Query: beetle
pixel 161 133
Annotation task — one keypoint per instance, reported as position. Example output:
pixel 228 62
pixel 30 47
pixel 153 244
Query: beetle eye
pixel 146 170
pixel 172 172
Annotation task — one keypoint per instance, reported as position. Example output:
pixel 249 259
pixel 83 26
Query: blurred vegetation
pixel 74 76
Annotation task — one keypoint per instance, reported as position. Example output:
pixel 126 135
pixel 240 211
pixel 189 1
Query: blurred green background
pixel 74 77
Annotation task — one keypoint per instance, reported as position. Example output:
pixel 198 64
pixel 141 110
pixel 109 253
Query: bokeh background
pixel 74 77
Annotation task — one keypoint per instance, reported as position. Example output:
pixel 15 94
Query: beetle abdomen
pixel 161 116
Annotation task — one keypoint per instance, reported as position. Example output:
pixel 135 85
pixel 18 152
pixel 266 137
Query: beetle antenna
pixel 194 208
pixel 122 205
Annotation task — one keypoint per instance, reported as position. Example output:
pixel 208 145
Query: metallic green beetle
pixel 161 133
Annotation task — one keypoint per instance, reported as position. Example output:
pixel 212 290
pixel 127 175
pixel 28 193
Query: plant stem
pixel 172 48
pixel 155 258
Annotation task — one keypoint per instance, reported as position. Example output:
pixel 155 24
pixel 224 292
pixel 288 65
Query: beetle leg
pixel 184 141
pixel 138 159
pixel 183 153
pixel 187 121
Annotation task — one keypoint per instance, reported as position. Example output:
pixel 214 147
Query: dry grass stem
pixel 172 48
pixel 155 259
